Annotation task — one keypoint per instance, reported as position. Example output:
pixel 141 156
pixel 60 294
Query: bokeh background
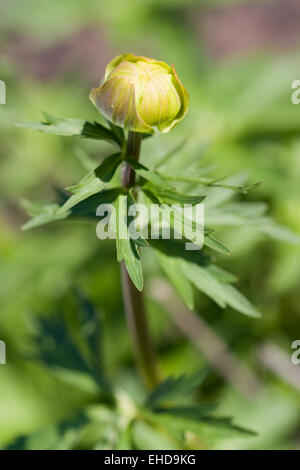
pixel 238 60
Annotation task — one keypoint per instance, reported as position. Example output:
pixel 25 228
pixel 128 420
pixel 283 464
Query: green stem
pixel 133 299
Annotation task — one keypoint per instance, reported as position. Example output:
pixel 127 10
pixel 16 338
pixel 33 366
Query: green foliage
pixel 74 127
pixel 172 268
pixel 243 119
pixel 175 389
pixel 42 213
pixel 126 249
pixel 93 183
pixel 162 422
pixel 183 270
pixel 77 348
pixel 147 174
pixel 171 196
pixel 118 422
pixel 222 292
pixel 157 190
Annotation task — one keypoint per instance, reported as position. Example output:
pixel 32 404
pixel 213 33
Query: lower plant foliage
pixel 168 417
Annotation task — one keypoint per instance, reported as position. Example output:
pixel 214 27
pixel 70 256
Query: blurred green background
pixel 237 59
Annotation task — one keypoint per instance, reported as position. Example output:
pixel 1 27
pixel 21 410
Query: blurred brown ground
pixel 85 53
pixel 269 25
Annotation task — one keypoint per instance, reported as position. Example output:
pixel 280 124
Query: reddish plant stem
pixel 133 299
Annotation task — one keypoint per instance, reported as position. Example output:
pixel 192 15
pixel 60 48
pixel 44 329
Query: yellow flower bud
pixel 139 94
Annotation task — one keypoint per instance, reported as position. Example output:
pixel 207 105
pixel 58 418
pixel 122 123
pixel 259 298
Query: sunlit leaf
pixel 173 270
pixel 93 183
pixel 42 213
pixel 171 196
pixel 212 242
pixel 126 249
pixel 147 174
pixel 222 293
pixel 73 127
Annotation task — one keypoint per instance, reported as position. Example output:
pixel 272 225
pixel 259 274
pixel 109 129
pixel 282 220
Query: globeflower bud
pixel 139 94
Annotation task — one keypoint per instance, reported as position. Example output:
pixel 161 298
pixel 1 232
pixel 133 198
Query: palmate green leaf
pixel 171 267
pixel 176 249
pixel 88 207
pixel 175 388
pixel 205 282
pixel 214 244
pixel 89 329
pixel 92 183
pixel 126 249
pixel 133 263
pixel 117 131
pixel 238 301
pixel 42 213
pixel 221 292
pixel 173 216
pixel 147 174
pixel 88 186
pixel 56 347
pixel 140 241
pixel 76 349
pixel 171 196
pixel 210 279
pixel 73 127
pixel 221 274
